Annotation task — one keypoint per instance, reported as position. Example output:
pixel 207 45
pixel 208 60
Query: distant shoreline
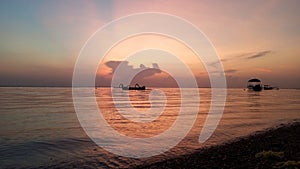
pixel 278 146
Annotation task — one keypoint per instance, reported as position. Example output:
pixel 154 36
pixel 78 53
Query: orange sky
pixel 41 40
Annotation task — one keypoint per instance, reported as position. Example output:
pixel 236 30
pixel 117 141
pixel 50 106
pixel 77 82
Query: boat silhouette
pixel 269 87
pixel 254 85
pixel 135 87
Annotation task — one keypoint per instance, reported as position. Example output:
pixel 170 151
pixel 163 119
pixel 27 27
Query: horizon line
pixel 68 86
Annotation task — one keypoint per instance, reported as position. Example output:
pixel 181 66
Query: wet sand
pixel 278 147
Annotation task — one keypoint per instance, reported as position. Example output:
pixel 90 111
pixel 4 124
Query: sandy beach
pixel 277 147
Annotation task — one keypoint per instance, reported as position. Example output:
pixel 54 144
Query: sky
pixel 41 40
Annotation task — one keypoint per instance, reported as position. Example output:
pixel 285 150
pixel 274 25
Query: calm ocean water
pixel 39 126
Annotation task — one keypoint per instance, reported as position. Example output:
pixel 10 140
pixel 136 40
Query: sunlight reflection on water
pixel 39 126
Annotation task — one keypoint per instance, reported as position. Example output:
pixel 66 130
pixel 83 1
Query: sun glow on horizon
pixel 146 45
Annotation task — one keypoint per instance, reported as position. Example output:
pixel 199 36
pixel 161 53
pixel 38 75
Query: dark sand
pixel 278 147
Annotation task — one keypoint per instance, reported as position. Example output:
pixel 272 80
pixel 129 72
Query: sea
pixel 39 126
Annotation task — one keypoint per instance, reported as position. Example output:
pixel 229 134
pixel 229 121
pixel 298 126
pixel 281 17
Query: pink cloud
pixel 265 70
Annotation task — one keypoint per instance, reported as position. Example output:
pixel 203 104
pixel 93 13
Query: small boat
pixel 254 85
pixel 135 87
pixel 269 87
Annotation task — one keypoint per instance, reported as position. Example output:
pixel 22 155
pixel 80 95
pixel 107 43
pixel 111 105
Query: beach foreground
pixel 278 147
